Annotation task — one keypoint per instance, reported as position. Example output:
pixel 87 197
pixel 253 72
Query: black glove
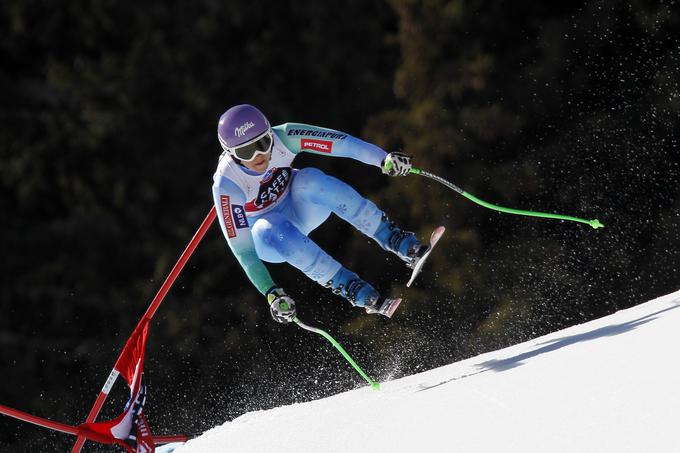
pixel 281 305
pixel 396 164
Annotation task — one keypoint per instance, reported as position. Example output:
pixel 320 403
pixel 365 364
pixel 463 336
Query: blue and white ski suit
pixel 267 216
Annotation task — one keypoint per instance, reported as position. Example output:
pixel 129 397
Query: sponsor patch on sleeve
pixel 240 219
pixel 324 146
pixel 226 215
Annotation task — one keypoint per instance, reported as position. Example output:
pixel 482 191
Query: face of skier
pixel 260 163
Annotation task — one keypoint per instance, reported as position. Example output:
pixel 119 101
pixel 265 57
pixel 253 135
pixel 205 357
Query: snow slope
pixel 610 385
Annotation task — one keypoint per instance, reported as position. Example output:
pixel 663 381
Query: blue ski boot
pixel 402 243
pixel 360 293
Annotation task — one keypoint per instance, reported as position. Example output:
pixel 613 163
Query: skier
pixel 267 208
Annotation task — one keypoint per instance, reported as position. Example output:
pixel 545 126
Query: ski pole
pixel 593 223
pixel 375 385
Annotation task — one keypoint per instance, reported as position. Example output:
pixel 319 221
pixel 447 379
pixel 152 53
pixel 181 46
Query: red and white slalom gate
pixel 129 429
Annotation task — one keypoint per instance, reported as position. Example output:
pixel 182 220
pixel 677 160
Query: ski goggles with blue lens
pixel 248 151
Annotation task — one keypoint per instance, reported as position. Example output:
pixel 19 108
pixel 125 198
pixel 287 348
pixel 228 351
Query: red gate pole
pixel 39 421
pixel 73 430
pixel 162 292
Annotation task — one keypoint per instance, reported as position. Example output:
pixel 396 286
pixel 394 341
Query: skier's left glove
pixel 282 307
pixel 396 164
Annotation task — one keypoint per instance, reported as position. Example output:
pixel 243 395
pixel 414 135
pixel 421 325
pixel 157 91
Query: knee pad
pixel 275 234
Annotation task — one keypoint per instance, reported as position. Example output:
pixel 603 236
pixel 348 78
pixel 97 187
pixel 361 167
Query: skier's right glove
pixel 281 305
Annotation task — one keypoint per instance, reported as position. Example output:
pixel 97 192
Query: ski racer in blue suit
pixel 266 208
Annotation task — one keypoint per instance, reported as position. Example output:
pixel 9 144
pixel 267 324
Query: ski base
pixel 434 238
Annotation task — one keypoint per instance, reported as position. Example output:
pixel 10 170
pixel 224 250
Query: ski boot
pixel 360 293
pixel 402 243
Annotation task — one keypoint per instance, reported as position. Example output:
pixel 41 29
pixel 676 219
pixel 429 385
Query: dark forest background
pixel 108 116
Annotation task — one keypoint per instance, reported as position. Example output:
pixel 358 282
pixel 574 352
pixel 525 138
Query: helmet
pixel 244 132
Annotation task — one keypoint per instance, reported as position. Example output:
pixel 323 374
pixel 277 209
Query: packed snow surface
pixel 610 385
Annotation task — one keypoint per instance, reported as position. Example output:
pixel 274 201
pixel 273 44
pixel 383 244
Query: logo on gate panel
pixel 240 220
pixel 226 215
pixel 323 146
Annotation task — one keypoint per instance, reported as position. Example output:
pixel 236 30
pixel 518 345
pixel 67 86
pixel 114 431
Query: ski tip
pixel 437 233
pixel 393 307
pixel 387 308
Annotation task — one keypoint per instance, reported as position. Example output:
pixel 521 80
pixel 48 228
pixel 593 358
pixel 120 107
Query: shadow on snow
pixel 558 343
pixel 499 365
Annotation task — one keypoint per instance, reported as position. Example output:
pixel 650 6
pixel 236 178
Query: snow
pixel 610 385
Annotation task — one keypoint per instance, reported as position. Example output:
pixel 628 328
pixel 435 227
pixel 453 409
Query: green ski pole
pixel 593 223
pixel 375 385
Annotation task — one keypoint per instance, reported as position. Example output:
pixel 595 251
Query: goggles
pixel 248 151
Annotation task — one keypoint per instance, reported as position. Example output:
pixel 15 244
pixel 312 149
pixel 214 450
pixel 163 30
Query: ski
pixel 387 308
pixel 390 306
pixel 420 261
